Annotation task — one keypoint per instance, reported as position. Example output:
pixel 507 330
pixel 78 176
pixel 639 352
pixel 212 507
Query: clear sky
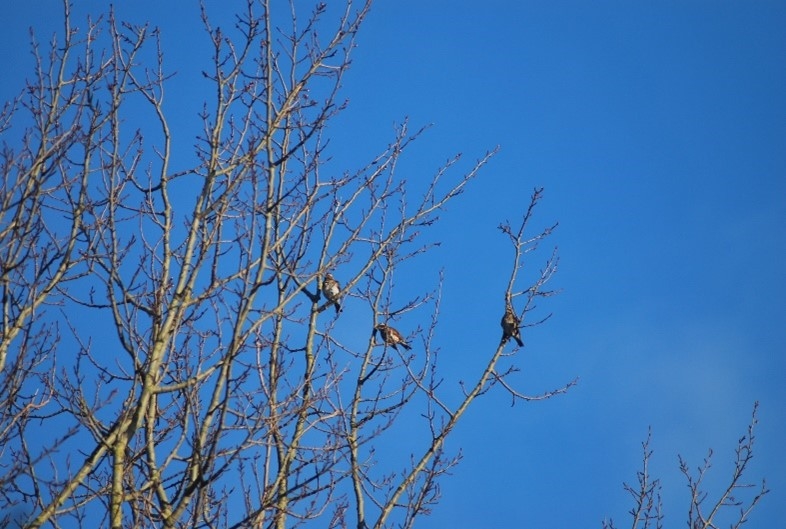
pixel 658 130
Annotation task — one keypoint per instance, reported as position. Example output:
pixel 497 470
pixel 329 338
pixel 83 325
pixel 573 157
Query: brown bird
pixel 510 326
pixel 331 289
pixel 391 336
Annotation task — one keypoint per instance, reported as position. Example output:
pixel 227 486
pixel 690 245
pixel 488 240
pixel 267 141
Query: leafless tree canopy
pixel 729 507
pixel 166 359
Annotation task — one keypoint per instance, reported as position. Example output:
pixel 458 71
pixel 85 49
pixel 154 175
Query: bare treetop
pixel 167 319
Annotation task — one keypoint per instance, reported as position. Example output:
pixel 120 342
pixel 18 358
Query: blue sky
pixel 658 130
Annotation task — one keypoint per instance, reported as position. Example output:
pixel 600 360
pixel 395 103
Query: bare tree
pixel 166 356
pixel 704 511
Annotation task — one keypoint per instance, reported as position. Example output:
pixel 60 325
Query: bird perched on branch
pixel 510 326
pixel 391 336
pixel 331 289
